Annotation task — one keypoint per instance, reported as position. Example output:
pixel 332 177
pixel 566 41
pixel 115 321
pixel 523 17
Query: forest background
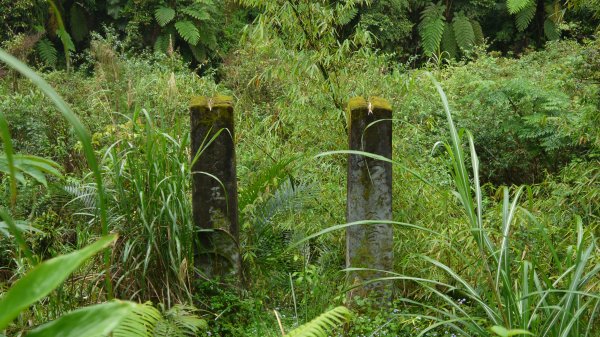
pixel 522 76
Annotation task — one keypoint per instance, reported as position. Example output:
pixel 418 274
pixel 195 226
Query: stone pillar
pixel 214 202
pixel 369 195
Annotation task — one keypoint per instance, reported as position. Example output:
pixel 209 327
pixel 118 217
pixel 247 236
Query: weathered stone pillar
pixel 369 195
pixel 214 202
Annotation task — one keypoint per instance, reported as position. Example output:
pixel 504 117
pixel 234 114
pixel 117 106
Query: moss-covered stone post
pixel 369 195
pixel 214 188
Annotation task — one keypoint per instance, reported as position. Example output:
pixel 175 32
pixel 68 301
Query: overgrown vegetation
pixel 496 191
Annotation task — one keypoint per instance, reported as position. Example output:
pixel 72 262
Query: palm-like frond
pixel 47 52
pixel 524 16
pixel 479 37
pixel 164 15
pixel 431 27
pixel 551 30
pixel 188 31
pixel 197 12
pixel 324 324
pixel 515 6
pixel 148 321
pixel 463 31
pixel 449 41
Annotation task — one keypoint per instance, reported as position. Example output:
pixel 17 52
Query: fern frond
pixel 431 27
pixel 188 31
pixel 141 322
pixel 524 17
pixel 78 22
pixel 479 37
pixel 162 43
pixel 197 13
pixel 551 30
pixel 83 195
pixel 164 15
pixel 148 321
pixel 47 52
pixel 180 321
pixel 463 31
pixel 322 325
pixel 449 41
pixel 515 6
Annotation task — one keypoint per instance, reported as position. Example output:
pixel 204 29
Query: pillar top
pixel 375 101
pixel 219 101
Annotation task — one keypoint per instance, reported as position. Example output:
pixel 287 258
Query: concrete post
pixel 369 195
pixel 214 202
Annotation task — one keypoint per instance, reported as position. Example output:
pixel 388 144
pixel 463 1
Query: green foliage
pixel 17 17
pixel 463 31
pixel 96 320
pixel 194 22
pixel 42 279
pixel 32 166
pixel 155 200
pixel 390 23
pixel 188 31
pixel 147 321
pixel 307 32
pixel 526 10
pixel 47 52
pixel 449 44
pixel 478 32
pixel 551 30
pixel 83 135
pixel 515 6
pixel 78 23
pixel 524 16
pixel 322 325
pixel 530 122
pixel 503 332
pixel 164 15
pixel 534 119
pixel 436 31
pixel 431 27
pixel 502 301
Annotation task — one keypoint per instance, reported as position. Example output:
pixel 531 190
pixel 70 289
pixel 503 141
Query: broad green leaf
pixel 93 321
pixel 503 332
pixel 43 278
pixel 65 38
pixel 22 226
pixel 79 23
pixel 8 157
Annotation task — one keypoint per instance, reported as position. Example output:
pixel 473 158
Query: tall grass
pixel 146 171
pixel 510 291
